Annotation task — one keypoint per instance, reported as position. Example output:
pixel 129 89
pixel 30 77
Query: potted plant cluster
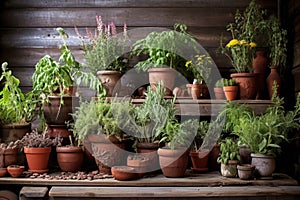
pixel 164 56
pixel 104 53
pixel 17 109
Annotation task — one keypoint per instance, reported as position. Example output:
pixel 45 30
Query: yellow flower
pixel 232 43
pixel 188 63
pixel 243 42
pixel 252 44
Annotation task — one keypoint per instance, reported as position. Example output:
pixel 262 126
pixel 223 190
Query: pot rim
pixel 69 149
pixel 258 155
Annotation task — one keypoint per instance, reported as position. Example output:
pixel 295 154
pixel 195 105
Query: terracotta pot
pixel 260 64
pixel 61 130
pixel 3 171
pixel 173 162
pixel 69 158
pixel 219 93
pixel 246 171
pixel 15 171
pixel 123 173
pixel 108 152
pixel 271 79
pixel 139 163
pixel 110 80
pixel 13 132
pixel 247 83
pixel 56 113
pixel 199 91
pixel 166 75
pixel 199 160
pixel 149 150
pixel 212 158
pixel 10 157
pixel 230 169
pixel 264 165
pixel 37 159
pixel 231 92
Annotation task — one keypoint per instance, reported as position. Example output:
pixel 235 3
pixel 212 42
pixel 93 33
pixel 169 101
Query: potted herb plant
pixel 229 157
pixel 104 53
pixel 95 123
pixel 37 148
pixel 230 88
pixel 163 50
pixel 278 54
pixel 201 69
pixel 17 109
pixel 264 134
pixel 199 157
pixel 173 158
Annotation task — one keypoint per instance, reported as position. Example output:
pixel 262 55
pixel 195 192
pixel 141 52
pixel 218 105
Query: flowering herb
pixel 103 50
pixel 200 67
pixel 242 54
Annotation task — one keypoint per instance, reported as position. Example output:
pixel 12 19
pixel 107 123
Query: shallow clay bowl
pixel 15 170
pixel 123 173
pixel 3 172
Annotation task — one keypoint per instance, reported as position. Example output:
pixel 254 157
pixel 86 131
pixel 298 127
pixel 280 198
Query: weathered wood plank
pixel 49 38
pixel 133 3
pixel 68 17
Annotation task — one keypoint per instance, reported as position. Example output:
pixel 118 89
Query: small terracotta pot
pixel 110 80
pixel 219 93
pixel 3 171
pixel 139 163
pixel 69 158
pixel 123 173
pixel 231 92
pixel 37 159
pixel 166 75
pixel 246 171
pixel 15 170
pixel 199 160
pixel 264 165
pixel 10 157
pixel 199 91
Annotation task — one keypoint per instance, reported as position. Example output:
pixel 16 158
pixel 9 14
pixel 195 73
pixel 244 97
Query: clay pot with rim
pixel 149 150
pixel 13 132
pixel 229 170
pixel 166 75
pixel 69 158
pixel 260 63
pixel 271 79
pixel 173 162
pixel 37 158
pixel 139 163
pixel 199 91
pixel 245 171
pixel 10 157
pixel 247 83
pixel 123 173
pixel 264 165
pixel 107 151
pixel 15 171
pixel 231 92
pixel 199 160
pixel 219 93
pixel 110 80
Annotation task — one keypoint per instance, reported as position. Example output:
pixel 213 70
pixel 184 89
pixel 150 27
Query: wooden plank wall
pixel 28 27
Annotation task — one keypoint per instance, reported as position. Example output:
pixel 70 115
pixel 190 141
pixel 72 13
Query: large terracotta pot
pixel 110 80
pixel 264 165
pixel 37 159
pixel 199 160
pixel 271 79
pixel 260 64
pixel 173 162
pixel 149 150
pixel 13 132
pixel 69 158
pixel 166 75
pixel 56 113
pixel 108 152
pixel 247 84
